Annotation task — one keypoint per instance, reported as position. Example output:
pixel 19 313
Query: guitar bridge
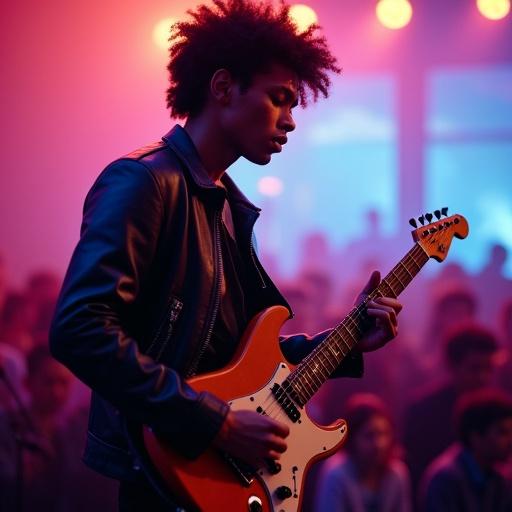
pixel 244 472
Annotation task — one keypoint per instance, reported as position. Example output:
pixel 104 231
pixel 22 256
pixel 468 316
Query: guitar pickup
pixel 285 402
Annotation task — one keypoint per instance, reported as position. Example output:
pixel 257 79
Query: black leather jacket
pixel 140 298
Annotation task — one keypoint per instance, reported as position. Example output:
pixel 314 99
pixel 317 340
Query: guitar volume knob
pixel 283 492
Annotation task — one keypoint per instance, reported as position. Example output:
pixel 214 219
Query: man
pixel 165 276
pixel 471 356
pixel 465 478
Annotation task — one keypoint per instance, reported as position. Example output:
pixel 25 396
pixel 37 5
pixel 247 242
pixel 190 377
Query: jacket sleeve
pixel 296 347
pixel 123 216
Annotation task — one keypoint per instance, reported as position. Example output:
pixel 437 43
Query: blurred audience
pixel 492 286
pixel 3 282
pixel 29 441
pixel 466 477
pixel 39 447
pixel 366 476
pixel 42 291
pixel 17 321
pixel 471 359
pixel 453 305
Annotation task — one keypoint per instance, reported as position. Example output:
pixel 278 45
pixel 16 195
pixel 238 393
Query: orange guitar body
pixel 211 483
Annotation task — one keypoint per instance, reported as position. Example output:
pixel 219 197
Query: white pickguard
pixel 304 442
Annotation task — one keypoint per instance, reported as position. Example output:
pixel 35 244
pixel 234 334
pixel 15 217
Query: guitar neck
pixel 316 368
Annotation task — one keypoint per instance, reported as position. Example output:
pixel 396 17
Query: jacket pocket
pixel 166 329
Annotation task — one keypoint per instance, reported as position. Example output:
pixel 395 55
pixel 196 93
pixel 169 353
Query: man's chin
pixel 259 159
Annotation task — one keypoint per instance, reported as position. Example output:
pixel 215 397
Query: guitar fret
pixel 333 352
pixel 414 260
pixel 406 269
pixel 299 391
pixel 327 363
pixel 393 291
pixel 343 339
pixel 399 284
pixel 333 364
pixel 356 325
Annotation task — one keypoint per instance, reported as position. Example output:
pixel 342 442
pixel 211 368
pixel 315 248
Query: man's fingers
pixel 382 312
pixel 281 429
pixel 372 283
pixel 276 443
pixel 389 301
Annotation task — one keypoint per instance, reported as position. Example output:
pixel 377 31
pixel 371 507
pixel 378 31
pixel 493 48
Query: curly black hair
pixel 245 38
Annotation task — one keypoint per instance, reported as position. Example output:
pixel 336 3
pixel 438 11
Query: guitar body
pixel 213 483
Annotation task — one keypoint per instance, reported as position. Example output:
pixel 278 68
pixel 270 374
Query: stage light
pixel 162 31
pixel 394 14
pixel 493 9
pixel 270 186
pixel 303 16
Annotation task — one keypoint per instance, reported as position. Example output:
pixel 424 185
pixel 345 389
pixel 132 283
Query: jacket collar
pixel 180 142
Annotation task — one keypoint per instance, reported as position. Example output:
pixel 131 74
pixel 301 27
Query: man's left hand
pixel 384 311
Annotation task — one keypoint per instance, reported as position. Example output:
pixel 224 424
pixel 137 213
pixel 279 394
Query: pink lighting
pixel 270 186
pixel 394 14
pixel 493 9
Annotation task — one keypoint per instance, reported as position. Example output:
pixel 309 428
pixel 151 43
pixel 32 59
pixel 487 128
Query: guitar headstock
pixel 436 237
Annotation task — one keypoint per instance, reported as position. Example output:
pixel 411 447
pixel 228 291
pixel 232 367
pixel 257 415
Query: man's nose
pixel 287 123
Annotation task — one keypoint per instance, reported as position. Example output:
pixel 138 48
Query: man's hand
pixel 384 312
pixel 251 437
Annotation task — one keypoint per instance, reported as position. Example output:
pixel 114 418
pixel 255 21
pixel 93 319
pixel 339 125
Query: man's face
pixel 495 444
pixel 372 445
pixel 477 370
pixel 258 119
pixel 50 387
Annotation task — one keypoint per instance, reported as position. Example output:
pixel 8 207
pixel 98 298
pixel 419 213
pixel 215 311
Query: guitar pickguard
pixel 305 442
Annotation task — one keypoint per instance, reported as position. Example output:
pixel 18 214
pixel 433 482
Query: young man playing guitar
pixel 165 278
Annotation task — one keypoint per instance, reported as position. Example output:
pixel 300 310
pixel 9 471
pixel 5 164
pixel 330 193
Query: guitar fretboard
pixel 316 368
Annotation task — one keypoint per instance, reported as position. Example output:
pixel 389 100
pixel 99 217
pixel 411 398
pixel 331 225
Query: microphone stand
pixel 22 443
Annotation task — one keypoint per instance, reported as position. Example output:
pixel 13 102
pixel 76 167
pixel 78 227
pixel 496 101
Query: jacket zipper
pixel 193 367
pixel 173 316
pixel 253 256
pixel 172 312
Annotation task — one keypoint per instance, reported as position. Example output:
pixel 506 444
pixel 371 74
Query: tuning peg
pixel 422 220
pixel 444 211
pixel 437 213
pixel 428 216
pixel 413 223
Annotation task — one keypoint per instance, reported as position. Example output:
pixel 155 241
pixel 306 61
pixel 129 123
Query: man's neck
pixel 216 155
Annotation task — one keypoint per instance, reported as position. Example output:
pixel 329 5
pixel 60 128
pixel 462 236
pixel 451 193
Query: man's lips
pixel 279 142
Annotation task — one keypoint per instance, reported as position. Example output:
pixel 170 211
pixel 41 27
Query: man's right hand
pixel 252 437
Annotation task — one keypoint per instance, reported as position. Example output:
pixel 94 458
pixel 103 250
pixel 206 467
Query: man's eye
pixel 278 100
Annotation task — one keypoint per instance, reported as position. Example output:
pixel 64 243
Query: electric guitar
pixel 260 379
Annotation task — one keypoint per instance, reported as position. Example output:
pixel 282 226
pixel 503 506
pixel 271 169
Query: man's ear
pixel 221 86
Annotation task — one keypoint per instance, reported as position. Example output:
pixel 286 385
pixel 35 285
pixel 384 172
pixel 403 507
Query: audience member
pixel 30 443
pixel 505 325
pixel 452 306
pixel 13 371
pixel 492 286
pixel 471 358
pixel 3 283
pixel 16 322
pixel 366 476
pixel 466 477
pixel 42 290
